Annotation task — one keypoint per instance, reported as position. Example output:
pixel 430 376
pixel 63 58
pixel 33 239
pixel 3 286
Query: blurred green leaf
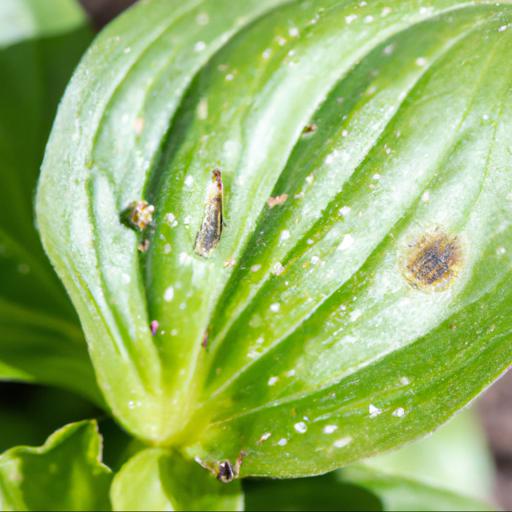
pixel 311 336
pixel 40 339
pixel 315 493
pixel 65 473
pixel 155 479
pixel 455 458
pixel 399 493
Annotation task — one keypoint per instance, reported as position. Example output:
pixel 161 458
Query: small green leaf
pixel 356 295
pixel 40 339
pixel 156 479
pixel 65 473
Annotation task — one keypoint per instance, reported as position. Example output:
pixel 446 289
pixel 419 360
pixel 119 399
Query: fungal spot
pixel 138 215
pixel 211 228
pixel 433 262
pixel 276 201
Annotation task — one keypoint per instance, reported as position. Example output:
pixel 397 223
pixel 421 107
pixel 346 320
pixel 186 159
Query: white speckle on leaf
pixel 404 381
pixel 503 28
pixel 169 294
pixel 255 268
pixel 315 260
pixel 171 219
pixel 374 411
pixel 421 61
pixel 346 243
pixel 281 41
pixel 285 235
pixel 272 381
pixel 300 427
pixel 341 443
pixel 290 373
pixel 266 54
pixel 199 46
pixel 354 315
pixel 386 11
pixel 399 413
pixel 350 18
pixel 344 211
pixel 389 49
pixel 185 258
pixel 329 429
pixel 277 269
pixel 230 77
pixel 275 307
pixel 294 32
pixel 500 251
pixel 203 19
pixel 368 19
pixel 264 437
pixel 189 180
pixel 167 248
pixel 425 197
pixel 202 109
pixel 282 442
pixel 260 340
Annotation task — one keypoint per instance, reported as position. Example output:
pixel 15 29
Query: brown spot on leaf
pixel 434 261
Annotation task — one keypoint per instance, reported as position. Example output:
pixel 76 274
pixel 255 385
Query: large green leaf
pixel 65 473
pixel 156 479
pixel 40 339
pixel 358 314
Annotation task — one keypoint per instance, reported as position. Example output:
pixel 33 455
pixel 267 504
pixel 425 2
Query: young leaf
pixel 156 479
pixel 345 289
pixel 40 339
pixel 65 473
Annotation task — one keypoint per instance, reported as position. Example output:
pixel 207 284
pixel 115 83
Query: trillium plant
pixel 283 230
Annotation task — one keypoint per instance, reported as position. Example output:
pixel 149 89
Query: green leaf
pixel 398 493
pixel 65 473
pixel 325 492
pixel 357 488
pixel 357 315
pixel 40 339
pixel 455 458
pixel 156 479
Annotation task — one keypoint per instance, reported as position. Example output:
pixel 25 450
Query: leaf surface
pixel 358 314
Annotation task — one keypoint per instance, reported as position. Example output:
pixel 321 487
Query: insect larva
pixel 211 228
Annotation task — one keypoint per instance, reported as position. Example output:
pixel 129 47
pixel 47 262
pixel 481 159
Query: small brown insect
pixel 211 228
pixel 204 342
pixel 310 128
pixel 138 215
pixel 433 261
pixel 223 470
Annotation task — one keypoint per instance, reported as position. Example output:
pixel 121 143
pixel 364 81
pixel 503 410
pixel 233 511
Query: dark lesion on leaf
pixel 433 261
